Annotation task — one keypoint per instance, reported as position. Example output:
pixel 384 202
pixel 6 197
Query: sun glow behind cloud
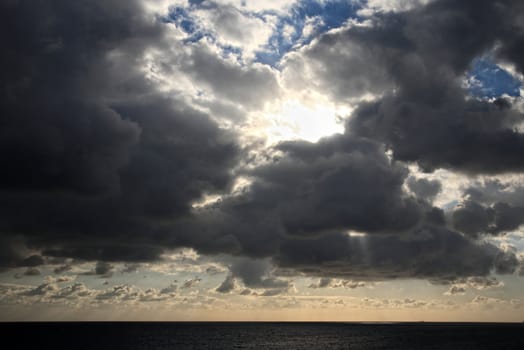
pixel 310 122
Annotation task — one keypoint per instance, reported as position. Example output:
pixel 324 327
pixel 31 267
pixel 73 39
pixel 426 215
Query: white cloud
pixel 374 6
pixel 237 28
pixel 260 5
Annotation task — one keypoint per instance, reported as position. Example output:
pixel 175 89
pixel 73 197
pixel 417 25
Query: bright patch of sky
pixel 262 34
pixel 298 120
pixel 304 19
pixel 486 79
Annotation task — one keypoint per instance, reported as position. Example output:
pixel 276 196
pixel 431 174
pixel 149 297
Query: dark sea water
pixel 288 336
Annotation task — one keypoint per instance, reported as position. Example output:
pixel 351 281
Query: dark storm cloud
pixel 473 218
pixel 513 50
pixel 307 190
pixel 56 133
pixel 304 204
pixel 506 263
pixel 423 188
pixel 32 271
pixel 337 183
pixel 95 160
pixel 256 273
pixel 491 207
pixel 103 269
pixel 227 285
pixel 490 192
pixel 468 136
pixel 433 253
pixel 32 261
pixel 425 53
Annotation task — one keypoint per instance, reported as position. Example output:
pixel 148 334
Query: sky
pixel 295 160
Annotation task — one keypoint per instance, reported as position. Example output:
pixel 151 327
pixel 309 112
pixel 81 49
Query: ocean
pixel 263 335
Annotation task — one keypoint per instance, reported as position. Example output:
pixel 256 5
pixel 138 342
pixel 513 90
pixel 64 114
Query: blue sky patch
pixel 326 14
pixel 330 14
pixel 183 19
pixel 488 80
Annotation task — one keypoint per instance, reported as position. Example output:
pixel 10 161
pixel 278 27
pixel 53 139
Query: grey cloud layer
pixel 100 165
pixel 96 161
pixel 301 206
pixel 428 119
pixel 491 207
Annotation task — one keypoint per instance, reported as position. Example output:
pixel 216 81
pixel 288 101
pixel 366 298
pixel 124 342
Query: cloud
pixel 227 285
pixel 60 279
pixel 131 268
pixel 257 274
pixel 349 284
pixel 191 283
pixel 489 303
pixel 337 67
pixel 214 270
pixel 373 6
pixel 102 269
pixel 250 86
pixel 170 290
pixel 272 292
pixel 334 184
pixel 97 157
pixel 423 188
pixel 429 119
pixel 31 271
pixel 456 290
pixel 334 283
pixel 431 253
pixel 235 27
pixel 489 207
pixel 73 292
pixel 506 262
pixel 62 268
pixel 118 293
pixel 473 218
pixel 32 261
pixel 42 290
pixel 322 283
pixel 79 294
pixel 305 201
pixel 491 191
pixel 460 285
pixel 481 283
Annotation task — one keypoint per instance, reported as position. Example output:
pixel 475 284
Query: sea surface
pixel 241 335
